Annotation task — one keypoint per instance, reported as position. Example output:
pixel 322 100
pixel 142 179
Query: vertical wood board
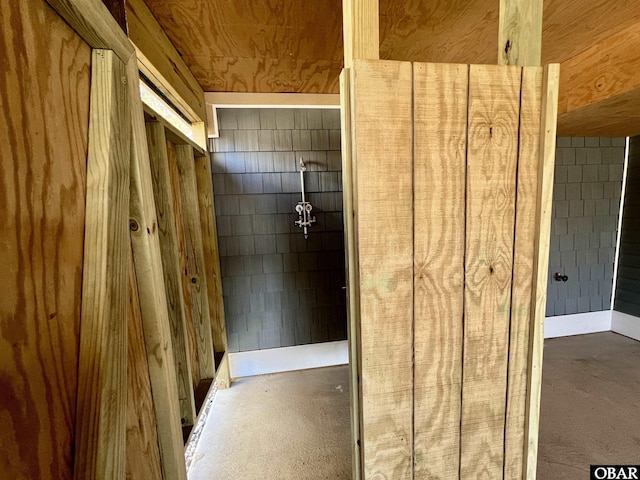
pixel 102 386
pixel 361 30
pixel 520 32
pixel 42 205
pixel 494 104
pixel 382 93
pixel 440 141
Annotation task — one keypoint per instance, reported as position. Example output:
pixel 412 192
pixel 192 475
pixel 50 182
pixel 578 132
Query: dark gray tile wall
pixel 279 289
pixel 628 284
pixel 586 201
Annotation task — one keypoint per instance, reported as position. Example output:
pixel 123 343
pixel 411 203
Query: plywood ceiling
pixel 296 46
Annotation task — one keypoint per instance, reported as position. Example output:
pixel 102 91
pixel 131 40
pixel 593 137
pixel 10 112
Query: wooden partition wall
pixel 448 172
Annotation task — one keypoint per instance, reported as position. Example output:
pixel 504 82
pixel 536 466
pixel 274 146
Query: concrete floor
pixel 295 425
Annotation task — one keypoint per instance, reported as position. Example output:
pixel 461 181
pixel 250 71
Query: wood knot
pixel 507 47
pixel 133 225
pixel 490 268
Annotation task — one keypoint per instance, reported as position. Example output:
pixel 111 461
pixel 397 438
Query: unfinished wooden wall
pixel 446 175
pixel 44 98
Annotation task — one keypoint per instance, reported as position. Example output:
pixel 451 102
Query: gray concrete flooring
pixel 295 425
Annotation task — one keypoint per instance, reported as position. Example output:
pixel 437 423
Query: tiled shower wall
pixel 586 202
pixel 279 289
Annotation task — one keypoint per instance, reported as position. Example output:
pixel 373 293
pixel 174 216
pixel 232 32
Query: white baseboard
pixel 577 324
pixel 285 359
pixel 626 325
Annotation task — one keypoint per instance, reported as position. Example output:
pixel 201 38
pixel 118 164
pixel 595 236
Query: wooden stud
pixel 143 456
pixel 197 273
pixel 211 252
pixel 102 375
pixel 523 256
pixel 223 374
pixel 361 27
pixel 352 277
pixel 440 140
pixel 544 197
pixel 494 101
pixel 92 20
pixel 171 267
pixel 382 98
pixel 153 301
pixel 520 32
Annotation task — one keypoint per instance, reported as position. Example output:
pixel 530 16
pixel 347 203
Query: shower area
pixel 278 197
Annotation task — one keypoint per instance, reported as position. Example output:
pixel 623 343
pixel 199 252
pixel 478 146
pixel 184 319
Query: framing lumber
pixel 352 277
pixel 602 82
pixel 549 112
pixel 197 272
pixel 171 267
pixel 159 60
pixel 93 21
pixel 361 27
pixel 527 184
pixel 209 228
pixel 223 374
pixel 145 243
pixel 100 451
pixel 520 32
pixel 440 141
pixel 382 96
pixel 494 106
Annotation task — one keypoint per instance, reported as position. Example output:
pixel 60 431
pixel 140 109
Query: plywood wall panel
pixel 42 191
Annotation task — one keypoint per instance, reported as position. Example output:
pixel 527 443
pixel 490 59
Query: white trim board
pixel 577 324
pixel 285 359
pixel 625 324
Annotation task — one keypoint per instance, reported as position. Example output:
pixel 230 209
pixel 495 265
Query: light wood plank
pixel 42 200
pixel 197 273
pixel 211 252
pixel 102 371
pixel 520 32
pixel 143 456
pixel 361 30
pixel 153 301
pixel 494 98
pixel 352 276
pixel 384 225
pixel 92 20
pixel 161 63
pixel 541 263
pixel 159 162
pixel 223 374
pixel 523 256
pixel 440 140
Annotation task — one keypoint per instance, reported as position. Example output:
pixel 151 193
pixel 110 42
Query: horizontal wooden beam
pixel 600 89
pixel 272 100
pixel 92 20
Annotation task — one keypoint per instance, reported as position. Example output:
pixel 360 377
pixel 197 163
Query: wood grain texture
pixel 160 61
pixel 351 270
pixel 92 20
pixel 197 272
pixel 361 30
pixel 102 371
pixel 223 374
pixel 440 141
pixel 494 98
pixel 153 301
pixel 143 456
pixel 161 178
pixel 541 264
pixel 523 256
pixel 382 99
pixel 42 205
pixel 184 268
pixel 520 32
pixel 211 252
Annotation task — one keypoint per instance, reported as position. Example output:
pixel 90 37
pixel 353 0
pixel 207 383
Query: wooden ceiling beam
pixel 361 30
pixel 600 88
pixel 520 32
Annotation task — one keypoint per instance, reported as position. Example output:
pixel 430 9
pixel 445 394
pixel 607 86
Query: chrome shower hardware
pixel 304 208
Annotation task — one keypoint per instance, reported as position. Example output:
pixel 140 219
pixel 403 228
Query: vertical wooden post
pixel 153 301
pixel 195 258
pixel 102 374
pixel 361 27
pixel 520 32
pixel 171 267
